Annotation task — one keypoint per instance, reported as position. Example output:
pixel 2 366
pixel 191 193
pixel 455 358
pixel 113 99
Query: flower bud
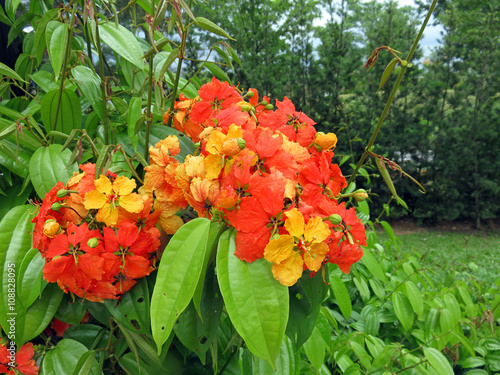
pixel 250 94
pixel 62 193
pixel 246 108
pixel 269 107
pixel 325 141
pixel 56 206
pixel 51 228
pixel 335 219
pixel 93 242
pixel 264 102
pixel 233 146
pixel 360 195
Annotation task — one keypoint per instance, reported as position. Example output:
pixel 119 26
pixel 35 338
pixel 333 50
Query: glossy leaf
pixel 8 72
pixel 259 313
pixel 387 72
pixel 217 71
pixel 48 166
pixel 373 266
pixel 415 297
pixel 57 47
pixel 30 282
pixel 315 348
pixel 90 335
pixel 90 85
pixel 15 243
pixel 166 62
pixel 122 41
pixel 212 27
pixel 71 310
pixel 13 197
pixel 403 310
pixel 132 310
pixel 287 363
pixel 38 315
pixel 197 332
pixel 438 361
pixel 178 274
pixel 305 303
pixel 64 115
pixel 64 358
pixel 341 295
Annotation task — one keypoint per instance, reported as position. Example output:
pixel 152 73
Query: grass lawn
pixel 449 250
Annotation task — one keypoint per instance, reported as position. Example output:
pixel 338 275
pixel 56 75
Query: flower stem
pixel 404 67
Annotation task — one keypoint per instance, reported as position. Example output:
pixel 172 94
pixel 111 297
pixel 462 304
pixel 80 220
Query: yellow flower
pixel 325 141
pixel 108 196
pixel 303 244
pixel 51 228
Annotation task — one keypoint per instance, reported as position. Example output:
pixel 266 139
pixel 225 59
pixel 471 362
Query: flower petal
pixel 315 256
pixel 103 185
pixel 294 223
pixel 279 249
pixel 316 230
pixel 289 271
pixel 94 200
pixel 131 203
pixel 123 185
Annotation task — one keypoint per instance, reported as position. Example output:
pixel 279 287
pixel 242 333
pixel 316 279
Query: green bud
pixel 246 108
pixel 264 102
pixel 56 206
pixel 360 195
pixel 250 94
pixel 197 145
pixel 269 107
pixel 62 193
pixel 335 219
pixel 93 242
pixel 241 143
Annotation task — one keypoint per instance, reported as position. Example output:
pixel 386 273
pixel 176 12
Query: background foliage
pixel 115 76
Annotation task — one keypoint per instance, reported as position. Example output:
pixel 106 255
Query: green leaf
pixel 39 41
pixel 30 280
pixel 403 310
pixel 63 116
pixel 90 85
pixel 48 166
pixel 71 311
pixel 85 363
pixel 13 197
pixel 132 310
pixel 167 62
pixel 64 358
pixel 415 297
pixel 178 274
pixel 198 332
pixel 341 295
pixel 256 302
pixel 212 27
pixel 15 243
pixel 38 315
pixel 57 47
pixel 315 348
pixel 387 72
pixel 90 335
pixel 216 230
pixel 134 113
pixel 218 72
pixel 8 72
pixel 122 41
pixel 373 266
pixel 438 361
pixel 11 7
pixel 287 363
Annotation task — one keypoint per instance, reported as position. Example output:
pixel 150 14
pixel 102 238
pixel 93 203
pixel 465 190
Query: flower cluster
pixel 97 236
pixel 21 362
pixel 266 172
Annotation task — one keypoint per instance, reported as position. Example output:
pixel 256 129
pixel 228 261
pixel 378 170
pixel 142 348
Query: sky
pixel 431 34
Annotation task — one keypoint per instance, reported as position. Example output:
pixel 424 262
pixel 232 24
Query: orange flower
pixel 25 364
pixel 303 244
pixel 108 196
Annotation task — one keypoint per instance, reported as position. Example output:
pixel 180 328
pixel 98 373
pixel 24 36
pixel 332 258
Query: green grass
pixel 472 254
